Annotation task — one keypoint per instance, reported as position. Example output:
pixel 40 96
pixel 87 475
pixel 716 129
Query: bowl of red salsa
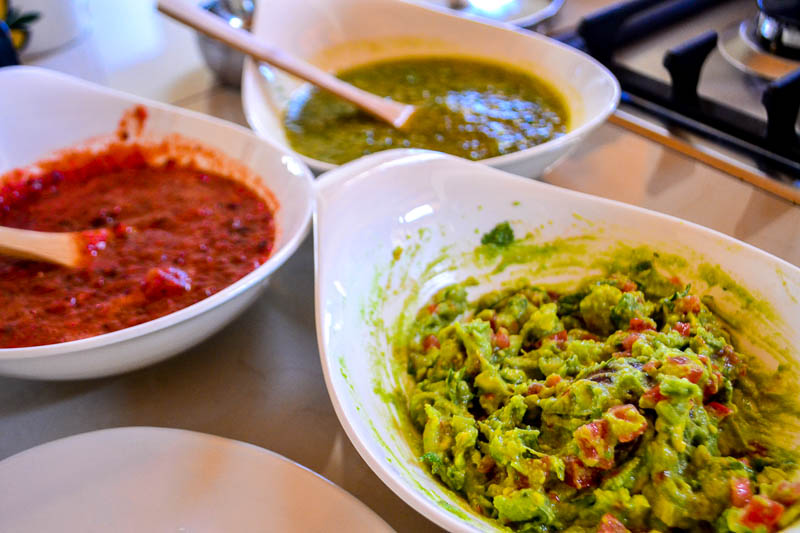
pixel 182 219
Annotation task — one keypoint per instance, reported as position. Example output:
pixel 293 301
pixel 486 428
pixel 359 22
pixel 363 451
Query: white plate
pixel 43 111
pixel 337 34
pixel 438 209
pixel 144 479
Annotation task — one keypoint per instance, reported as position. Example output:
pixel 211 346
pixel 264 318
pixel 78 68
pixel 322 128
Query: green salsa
pixel 619 404
pixel 469 108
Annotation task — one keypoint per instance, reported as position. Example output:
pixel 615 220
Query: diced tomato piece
pixel 558 337
pixel 653 396
pixel 728 354
pixel 610 524
pixel 689 370
pixel 593 443
pixel 694 374
pixel 741 492
pixel 536 388
pixel 553 295
pixel 757 449
pixel 501 339
pixel 597 430
pixel 627 342
pixel 787 492
pixel 629 413
pixel 675 280
pixel 577 474
pixel 718 410
pixel 430 342
pixel 712 387
pixel 762 511
pixel 432 308
pixel 552 380
pixel 683 328
pixel 95 240
pixel 545 464
pixel 651 366
pixel 165 283
pixel 628 286
pixel 688 304
pixel 120 229
pixel 640 324
pixel 486 465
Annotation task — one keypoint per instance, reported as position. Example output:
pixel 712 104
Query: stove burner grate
pixel 773 144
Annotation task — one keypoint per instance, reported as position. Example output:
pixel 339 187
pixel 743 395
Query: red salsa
pixel 160 240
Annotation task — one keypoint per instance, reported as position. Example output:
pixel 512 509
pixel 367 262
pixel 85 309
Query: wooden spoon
pixel 394 113
pixel 65 249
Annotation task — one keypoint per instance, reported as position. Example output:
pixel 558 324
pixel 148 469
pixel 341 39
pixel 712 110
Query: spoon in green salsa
pixel 394 113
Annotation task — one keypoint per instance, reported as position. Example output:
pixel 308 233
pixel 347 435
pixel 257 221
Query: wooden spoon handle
pixel 60 248
pixel 202 20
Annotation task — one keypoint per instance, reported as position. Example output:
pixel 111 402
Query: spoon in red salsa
pixel 140 242
pixel 71 249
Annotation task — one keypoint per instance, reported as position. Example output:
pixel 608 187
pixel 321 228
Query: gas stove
pixel 716 79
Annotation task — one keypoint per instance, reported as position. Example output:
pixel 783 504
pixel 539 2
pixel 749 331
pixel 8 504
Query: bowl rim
pixel 364 443
pixel 252 72
pixel 238 287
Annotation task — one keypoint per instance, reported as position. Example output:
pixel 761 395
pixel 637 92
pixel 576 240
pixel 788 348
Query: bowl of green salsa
pixel 510 99
pixel 511 356
pixel 468 108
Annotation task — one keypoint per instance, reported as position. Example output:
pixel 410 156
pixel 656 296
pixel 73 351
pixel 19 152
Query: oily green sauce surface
pixel 469 108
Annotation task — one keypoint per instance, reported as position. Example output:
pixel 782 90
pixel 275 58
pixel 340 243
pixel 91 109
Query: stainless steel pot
pixel 226 62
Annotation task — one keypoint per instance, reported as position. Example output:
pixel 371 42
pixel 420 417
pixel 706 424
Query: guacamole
pixel 469 108
pixel 619 404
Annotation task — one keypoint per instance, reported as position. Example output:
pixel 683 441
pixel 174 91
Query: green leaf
pixel 25 19
pixel 501 235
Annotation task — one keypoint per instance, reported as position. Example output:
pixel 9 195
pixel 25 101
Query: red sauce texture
pixel 158 240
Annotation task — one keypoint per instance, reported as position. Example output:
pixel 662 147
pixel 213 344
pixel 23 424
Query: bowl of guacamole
pixel 510 356
pixel 617 403
pixel 514 100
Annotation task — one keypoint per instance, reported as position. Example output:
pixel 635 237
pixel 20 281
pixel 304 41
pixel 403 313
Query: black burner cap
pixel 785 11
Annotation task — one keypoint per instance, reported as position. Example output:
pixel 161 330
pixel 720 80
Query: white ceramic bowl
pixel 337 34
pixel 439 208
pixel 45 111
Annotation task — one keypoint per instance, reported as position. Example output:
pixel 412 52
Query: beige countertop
pixel 259 380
